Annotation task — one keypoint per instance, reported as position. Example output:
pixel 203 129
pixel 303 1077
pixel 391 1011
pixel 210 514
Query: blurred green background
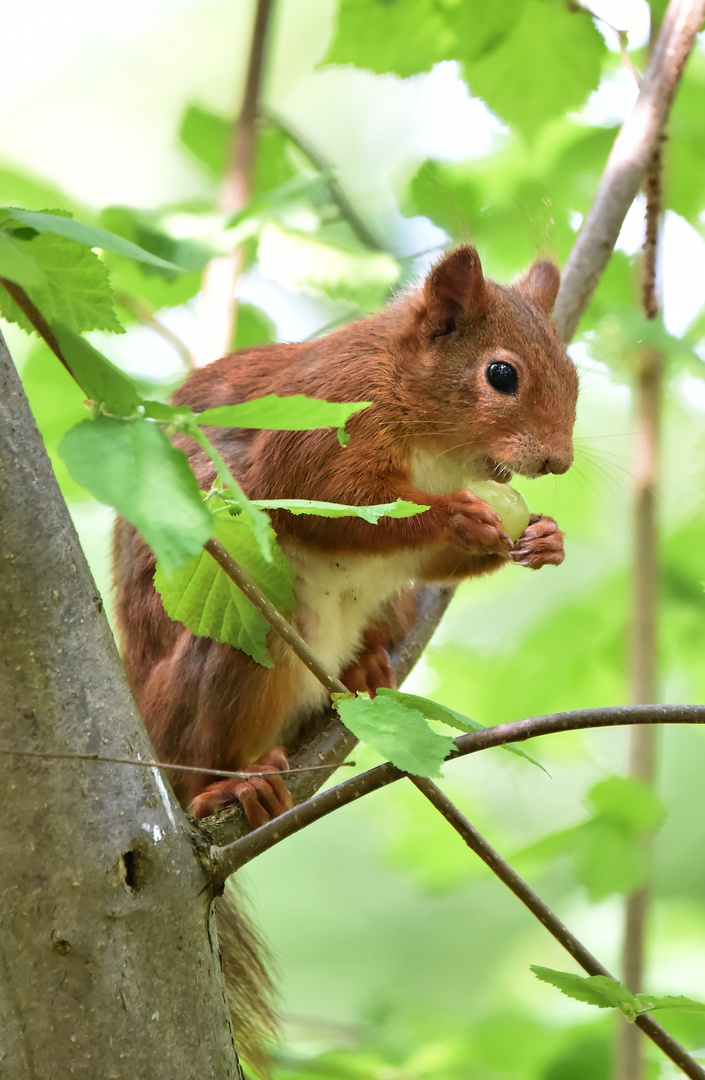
pixel 399 128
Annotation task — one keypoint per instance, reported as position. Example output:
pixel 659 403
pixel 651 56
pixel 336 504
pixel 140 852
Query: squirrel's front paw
pixel 540 544
pixel 473 524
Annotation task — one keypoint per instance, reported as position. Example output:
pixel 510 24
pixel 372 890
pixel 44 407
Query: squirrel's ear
pixel 540 285
pixel 455 287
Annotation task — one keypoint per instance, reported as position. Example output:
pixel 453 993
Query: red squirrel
pixel 469 380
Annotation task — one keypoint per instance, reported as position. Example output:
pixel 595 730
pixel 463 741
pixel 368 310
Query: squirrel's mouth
pixel 498 472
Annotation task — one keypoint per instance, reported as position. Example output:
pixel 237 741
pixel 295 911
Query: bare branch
pixel 477 843
pixel 225 857
pixel 627 163
pixel 35 317
pixel 49 756
pixel 217 312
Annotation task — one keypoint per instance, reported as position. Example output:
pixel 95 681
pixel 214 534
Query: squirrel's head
pixel 495 385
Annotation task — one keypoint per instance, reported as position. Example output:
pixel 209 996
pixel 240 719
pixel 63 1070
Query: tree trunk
pixel 108 959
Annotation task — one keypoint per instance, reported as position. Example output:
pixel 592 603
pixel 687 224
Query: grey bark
pixel 108 960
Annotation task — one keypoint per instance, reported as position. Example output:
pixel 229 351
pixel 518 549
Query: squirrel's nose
pixel 557 463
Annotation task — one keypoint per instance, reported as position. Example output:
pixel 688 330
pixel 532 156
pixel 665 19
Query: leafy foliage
pixel 132 466
pixel 608 993
pixel 396 731
pixel 202 597
pixel 512 646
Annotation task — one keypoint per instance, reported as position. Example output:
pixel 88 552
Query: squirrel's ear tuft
pixel 455 287
pixel 540 285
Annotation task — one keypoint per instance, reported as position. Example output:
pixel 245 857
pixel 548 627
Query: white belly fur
pixel 337 598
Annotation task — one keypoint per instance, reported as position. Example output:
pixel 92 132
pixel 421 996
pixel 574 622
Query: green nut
pixel 509 505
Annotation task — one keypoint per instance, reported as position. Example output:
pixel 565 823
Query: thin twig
pixel 266 608
pixel 477 843
pixel 217 312
pixel 224 859
pixel 322 166
pixel 50 756
pixel 627 163
pixel 35 317
pixel 145 314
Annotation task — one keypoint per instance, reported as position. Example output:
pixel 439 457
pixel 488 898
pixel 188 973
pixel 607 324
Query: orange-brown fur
pixel 422 362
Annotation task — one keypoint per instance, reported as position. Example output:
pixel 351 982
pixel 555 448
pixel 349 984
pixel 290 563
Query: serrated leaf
pixel 293 413
pixel 608 993
pixel 100 380
pixel 397 732
pixel 411 37
pixel 132 466
pixel 76 291
pixel 433 710
pixel 16 265
pixel 549 63
pixel 89 236
pixel 398 509
pixel 650 1002
pixel 597 990
pixel 202 597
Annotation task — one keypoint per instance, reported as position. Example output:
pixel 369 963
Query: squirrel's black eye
pixel 502 377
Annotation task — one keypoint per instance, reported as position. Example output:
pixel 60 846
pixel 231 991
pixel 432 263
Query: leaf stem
pixel 277 621
pixel 34 315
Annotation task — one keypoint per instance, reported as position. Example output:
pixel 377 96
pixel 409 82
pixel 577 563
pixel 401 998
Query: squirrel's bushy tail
pixel 247 965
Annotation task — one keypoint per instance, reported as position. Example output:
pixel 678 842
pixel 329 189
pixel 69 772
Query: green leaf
pixel 397 732
pixel 253 327
pixel 293 413
pixel 202 596
pixel 607 993
pixel 100 380
pixel 597 990
pixel 76 290
pixel 88 235
pixel 206 135
pixel 432 710
pixel 411 37
pixel 650 1002
pixel 629 803
pixel 132 466
pixel 398 509
pixel 549 64
pixel 607 859
pixel 18 266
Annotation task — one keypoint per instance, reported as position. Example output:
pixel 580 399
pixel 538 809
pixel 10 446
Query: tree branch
pixel 227 857
pixel 627 163
pixel 217 312
pixel 477 843
pixel 643 633
pixel 335 190
pixel 35 317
